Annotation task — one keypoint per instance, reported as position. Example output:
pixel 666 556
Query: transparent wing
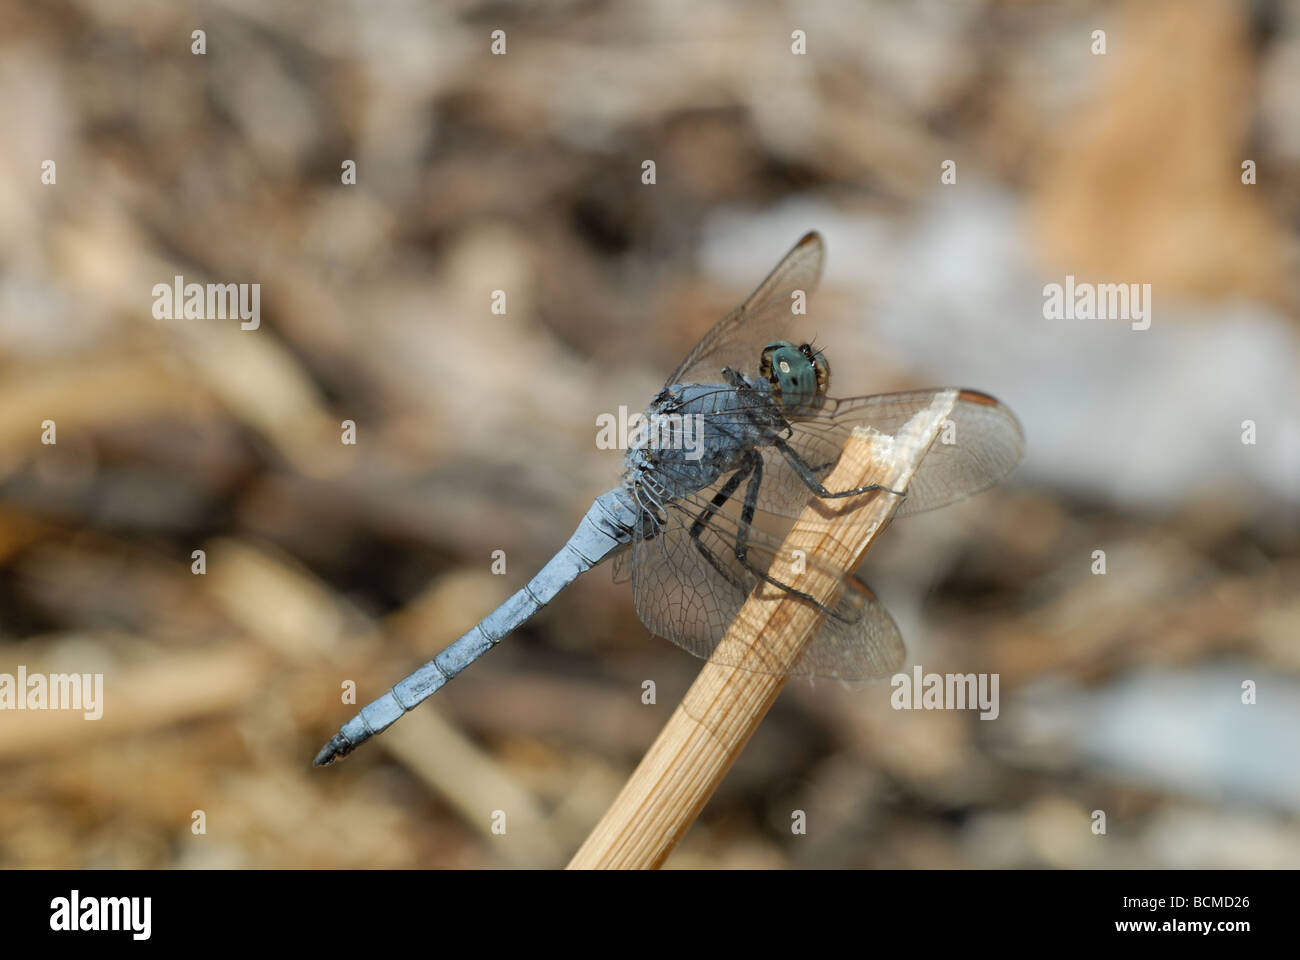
pixel 689 589
pixel 737 339
pixel 978 446
pixel 622 566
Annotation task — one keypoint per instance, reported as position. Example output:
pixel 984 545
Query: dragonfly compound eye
pixel 795 374
pixel 821 365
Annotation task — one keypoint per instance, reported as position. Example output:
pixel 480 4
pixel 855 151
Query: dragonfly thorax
pixel 797 376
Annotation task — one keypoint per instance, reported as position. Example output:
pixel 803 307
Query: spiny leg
pixel 810 480
pixel 742 539
pixel 707 514
pixel 773 434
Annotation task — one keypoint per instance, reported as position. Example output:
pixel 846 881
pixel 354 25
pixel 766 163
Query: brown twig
pixel 724 706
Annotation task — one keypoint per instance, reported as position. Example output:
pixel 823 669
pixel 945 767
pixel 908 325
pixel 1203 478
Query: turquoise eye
pixel 796 375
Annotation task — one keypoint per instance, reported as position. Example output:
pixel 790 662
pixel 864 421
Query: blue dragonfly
pixel 743 431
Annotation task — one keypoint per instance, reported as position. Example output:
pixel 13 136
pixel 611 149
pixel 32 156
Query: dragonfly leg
pixel 753 469
pixel 702 521
pixel 742 539
pixel 809 476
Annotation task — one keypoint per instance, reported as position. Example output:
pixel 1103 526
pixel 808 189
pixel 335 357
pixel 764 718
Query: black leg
pixel 742 540
pixel 773 425
pixel 810 480
pixel 721 497
pixel 702 521
pixel 751 500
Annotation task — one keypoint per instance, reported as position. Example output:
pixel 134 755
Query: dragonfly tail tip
pixel 336 749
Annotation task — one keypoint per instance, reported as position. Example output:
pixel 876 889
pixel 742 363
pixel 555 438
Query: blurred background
pixel 522 172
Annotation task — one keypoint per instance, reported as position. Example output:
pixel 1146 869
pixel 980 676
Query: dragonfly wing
pixel 678 593
pixel 866 647
pixel 622 566
pixel 979 445
pixel 689 589
pixel 737 340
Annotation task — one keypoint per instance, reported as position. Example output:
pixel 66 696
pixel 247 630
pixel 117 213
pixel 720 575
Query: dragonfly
pixel 743 431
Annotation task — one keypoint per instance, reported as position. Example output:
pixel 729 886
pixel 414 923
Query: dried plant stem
pixel 725 705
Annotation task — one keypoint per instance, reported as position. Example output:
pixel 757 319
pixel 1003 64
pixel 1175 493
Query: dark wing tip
pixel 977 396
pixel 810 240
pixel 812 245
pixel 981 399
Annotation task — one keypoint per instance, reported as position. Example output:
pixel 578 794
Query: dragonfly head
pixel 797 375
